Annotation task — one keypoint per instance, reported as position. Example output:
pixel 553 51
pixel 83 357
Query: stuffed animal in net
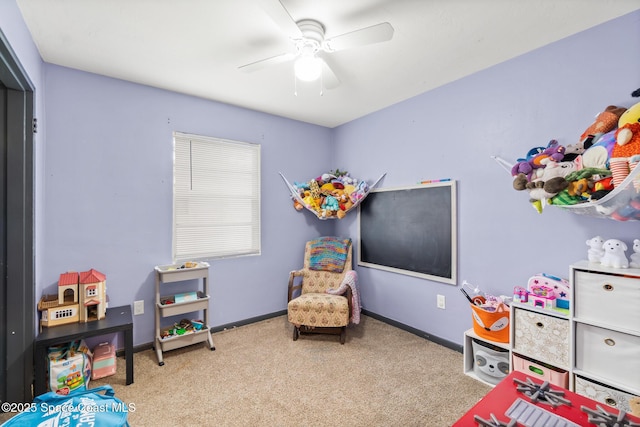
pixel 547 182
pixel 538 158
pixel 623 159
pixel 605 122
pixel 581 186
pixel 624 154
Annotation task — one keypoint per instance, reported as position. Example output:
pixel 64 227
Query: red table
pixel 501 398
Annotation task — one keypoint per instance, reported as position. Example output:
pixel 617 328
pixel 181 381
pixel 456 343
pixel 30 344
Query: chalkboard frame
pixel 419 222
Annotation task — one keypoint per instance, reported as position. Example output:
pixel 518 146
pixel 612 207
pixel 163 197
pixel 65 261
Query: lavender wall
pixel 551 93
pixel 108 192
pixel 104 174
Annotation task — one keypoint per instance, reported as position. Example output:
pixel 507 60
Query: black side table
pixel 117 319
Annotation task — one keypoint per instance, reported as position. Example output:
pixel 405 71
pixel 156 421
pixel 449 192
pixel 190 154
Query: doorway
pixel 17 304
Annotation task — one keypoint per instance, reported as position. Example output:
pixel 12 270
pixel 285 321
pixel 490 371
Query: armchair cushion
pixel 319 310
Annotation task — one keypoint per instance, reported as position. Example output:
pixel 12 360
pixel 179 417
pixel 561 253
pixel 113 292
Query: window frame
pixel 216 198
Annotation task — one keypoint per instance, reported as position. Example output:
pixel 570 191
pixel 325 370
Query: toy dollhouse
pixel 81 298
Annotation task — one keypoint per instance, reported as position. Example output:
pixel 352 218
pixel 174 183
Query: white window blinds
pixel 216 198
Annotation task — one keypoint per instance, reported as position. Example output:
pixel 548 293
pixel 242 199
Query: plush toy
pixel 582 182
pixel 538 158
pixel 598 155
pixel 596 249
pixel 614 254
pixel 547 181
pixel 330 203
pixel 553 153
pixel 344 203
pixel 627 146
pixel 579 187
pixel 627 211
pixel 360 191
pixel 635 256
pixel 523 165
pixel 632 115
pixel 604 122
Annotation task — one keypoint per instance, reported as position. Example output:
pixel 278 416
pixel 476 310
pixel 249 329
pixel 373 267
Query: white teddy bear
pixel 635 256
pixel 596 250
pixel 614 254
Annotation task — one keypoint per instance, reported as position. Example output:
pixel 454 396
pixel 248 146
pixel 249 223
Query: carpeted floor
pixel 258 376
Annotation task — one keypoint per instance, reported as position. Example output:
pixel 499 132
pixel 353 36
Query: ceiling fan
pixel 310 49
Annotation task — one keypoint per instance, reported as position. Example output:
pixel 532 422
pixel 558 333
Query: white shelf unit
pixel 174 273
pixel 596 345
pixel 469 362
pixel 605 333
pixel 535 333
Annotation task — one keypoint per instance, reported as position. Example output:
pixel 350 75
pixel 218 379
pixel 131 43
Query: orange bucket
pixel 492 325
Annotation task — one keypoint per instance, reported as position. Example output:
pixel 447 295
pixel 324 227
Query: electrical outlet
pixel 138 307
pixel 441 301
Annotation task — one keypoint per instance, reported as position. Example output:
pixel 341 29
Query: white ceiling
pixel 196 46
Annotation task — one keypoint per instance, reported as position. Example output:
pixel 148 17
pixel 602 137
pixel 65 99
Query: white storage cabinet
pixel 170 274
pixel 606 333
pixel 538 345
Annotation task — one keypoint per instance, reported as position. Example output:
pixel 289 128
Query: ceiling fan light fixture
pixel 308 68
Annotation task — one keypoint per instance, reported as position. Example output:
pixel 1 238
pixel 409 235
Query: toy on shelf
pixel 544 291
pixel 81 298
pixel 634 258
pixel 596 176
pixel 489 313
pixel 614 254
pixel 520 294
pixel 541 296
pixel 596 249
pixel 331 195
pixel 183 327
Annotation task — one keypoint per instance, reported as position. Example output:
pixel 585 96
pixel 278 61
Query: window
pixel 216 198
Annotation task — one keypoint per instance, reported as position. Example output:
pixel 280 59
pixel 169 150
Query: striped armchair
pixel 310 308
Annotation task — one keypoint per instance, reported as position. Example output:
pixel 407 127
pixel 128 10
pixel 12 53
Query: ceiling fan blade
pixel 369 35
pixel 329 78
pixel 264 63
pixel 279 14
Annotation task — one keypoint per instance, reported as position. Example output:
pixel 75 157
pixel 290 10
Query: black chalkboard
pixel 410 230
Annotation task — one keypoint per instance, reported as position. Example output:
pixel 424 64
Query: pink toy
pixel 542 296
pixel 559 288
pixel 520 294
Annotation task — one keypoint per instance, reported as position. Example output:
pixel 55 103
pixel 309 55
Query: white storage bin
pixel 542 337
pixel 604 394
pixel 612 355
pixel 608 300
pixel 490 362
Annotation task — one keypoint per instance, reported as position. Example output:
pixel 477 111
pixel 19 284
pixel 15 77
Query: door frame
pixel 17 303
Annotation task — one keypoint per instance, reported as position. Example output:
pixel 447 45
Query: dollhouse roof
pixel 68 279
pixel 92 276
